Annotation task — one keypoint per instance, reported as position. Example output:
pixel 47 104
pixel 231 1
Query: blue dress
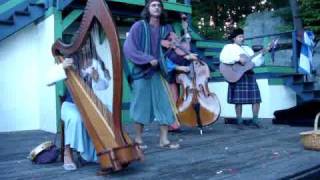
pixel 76 134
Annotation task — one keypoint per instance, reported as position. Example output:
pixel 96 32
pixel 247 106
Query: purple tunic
pixel 132 48
pixel 150 98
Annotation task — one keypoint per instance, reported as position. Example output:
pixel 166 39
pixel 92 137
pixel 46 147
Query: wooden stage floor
pixel 222 152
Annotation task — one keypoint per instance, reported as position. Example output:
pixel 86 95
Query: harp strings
pixel 83 58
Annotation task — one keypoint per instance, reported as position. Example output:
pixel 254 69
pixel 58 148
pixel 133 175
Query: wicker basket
pixel 311 139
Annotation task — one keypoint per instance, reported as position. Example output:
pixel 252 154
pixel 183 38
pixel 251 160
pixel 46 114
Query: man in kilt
pixel 246 90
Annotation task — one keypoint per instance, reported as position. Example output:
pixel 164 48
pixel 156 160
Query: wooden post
pixel 295 15
pixel 297 23
pixel 188 2
pixel 294 59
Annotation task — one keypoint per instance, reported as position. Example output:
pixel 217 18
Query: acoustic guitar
pixel 233 72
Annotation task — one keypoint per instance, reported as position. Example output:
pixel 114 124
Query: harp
pixel 95 47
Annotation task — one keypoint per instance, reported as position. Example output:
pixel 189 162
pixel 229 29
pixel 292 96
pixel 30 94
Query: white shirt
pixel 230 54
pixel 57 73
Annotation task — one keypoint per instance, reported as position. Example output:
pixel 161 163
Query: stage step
pixel 306 90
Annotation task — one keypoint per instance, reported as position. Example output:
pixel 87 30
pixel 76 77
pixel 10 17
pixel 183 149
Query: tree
pixel 310 13
pixel 216 18
pixel 304 14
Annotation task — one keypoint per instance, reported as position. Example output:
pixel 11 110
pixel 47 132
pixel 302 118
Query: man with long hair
pixel 151 99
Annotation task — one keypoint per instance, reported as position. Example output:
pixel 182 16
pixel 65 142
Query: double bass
pixel 96 42
pixel 197 106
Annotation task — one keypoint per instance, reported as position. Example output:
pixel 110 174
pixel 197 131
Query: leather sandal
pixel 69 167
pixel 170 146
pixel 142 146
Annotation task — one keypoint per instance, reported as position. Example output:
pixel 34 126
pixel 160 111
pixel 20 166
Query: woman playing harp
pixel 96 46
pixel 96 76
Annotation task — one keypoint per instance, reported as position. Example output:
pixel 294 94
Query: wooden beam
pixel 72 16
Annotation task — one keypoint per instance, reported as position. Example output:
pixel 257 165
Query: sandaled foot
pixel 257 125
pixel 170 146
pixel 241 126
pixel 69 166
pixel 141 145
pixel 174 130
pixel 247 123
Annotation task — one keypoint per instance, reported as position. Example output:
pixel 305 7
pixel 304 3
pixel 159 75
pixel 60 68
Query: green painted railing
pixel 172 5
pixel 9 5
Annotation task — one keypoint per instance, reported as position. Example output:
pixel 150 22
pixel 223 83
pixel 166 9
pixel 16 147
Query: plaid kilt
pixel 244 91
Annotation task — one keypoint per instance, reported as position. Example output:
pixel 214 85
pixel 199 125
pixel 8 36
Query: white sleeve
pixel 258 60
pixel 56 73
pixel 248 51
pixel 228 55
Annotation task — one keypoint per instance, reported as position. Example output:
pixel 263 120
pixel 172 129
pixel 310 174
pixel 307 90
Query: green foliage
pixel 235 11
pixel 280 3
pixel 222 11
pixel 242 23
pixel 310 13
pixel 286 15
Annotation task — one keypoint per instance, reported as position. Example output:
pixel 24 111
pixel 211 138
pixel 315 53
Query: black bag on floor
pixel 300 115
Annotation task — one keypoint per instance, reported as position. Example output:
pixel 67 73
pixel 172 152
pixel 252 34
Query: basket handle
pixel 316 121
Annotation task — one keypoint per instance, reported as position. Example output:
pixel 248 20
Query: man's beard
pixel 156 16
